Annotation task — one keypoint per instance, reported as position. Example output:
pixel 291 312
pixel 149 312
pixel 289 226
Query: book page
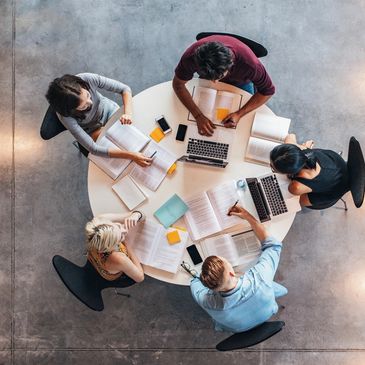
pixel 220 246
pixel 248 249
pixel 222 197
pixel 270 127
pixel 226 103
pixel 152 176
pixel 111 166
pixel 259 150
pixel 204 98
pixel 200 218
pixel 127 137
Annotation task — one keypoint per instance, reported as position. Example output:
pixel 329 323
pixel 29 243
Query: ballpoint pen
pixel 153 154
pixel 229 211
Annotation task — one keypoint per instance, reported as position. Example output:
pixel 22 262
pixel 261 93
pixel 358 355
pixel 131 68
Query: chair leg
pixel 344 203
pixel 122 294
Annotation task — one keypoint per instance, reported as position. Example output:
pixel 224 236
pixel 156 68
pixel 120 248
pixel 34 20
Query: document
pixel 241 249
pixel 267 132
pixel 150 244
pixel 153 175
pixel 125 137
pixel 207 212
pixel 215 105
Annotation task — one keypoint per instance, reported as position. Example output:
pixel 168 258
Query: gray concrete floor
pixel 317 61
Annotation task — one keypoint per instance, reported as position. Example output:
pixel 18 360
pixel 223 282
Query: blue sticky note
pixel 171 211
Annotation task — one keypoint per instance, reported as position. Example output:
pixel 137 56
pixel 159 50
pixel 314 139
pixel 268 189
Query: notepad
pixel 171 211
pixel 129 192
pixel 157 134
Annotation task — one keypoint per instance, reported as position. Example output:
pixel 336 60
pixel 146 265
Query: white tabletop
pixel 188 178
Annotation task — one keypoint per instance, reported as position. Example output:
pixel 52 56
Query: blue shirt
pixel 251 302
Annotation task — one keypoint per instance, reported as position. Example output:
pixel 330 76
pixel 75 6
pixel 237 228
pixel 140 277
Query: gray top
pixel 81 128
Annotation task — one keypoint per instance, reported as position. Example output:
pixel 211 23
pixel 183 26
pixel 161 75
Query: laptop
pixel 267 197
pixel 213 151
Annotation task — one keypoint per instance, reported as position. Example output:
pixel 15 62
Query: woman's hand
pixel 238 211
pixel 126 119
pixel 132 220
pixel 140 159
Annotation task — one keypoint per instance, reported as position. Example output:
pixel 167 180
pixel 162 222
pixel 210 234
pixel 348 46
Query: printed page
pixel 111 166
pixel 259 150
pixel 204 98
pixel 222 245
pixel 270 127
pixel 222 197
pixel 127 137
pixel 200 217
pixel 226 103
pixel 153 175
pixel 248 249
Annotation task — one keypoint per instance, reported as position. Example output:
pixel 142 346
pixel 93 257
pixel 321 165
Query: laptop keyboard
pixel 207 148
pixel 274 195
pixel 257 197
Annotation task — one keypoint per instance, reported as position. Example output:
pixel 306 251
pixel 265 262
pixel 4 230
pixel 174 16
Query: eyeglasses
pixel 186 266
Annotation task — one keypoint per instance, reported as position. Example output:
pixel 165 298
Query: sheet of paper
pixel 259 149
pixel 270 127
pixel 153 175
pixel 226 102
pixel 205 99
pixel 248 249
pixel 221 245
pixel 200 218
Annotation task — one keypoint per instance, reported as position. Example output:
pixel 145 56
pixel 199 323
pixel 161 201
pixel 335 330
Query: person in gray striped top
pixel 84 111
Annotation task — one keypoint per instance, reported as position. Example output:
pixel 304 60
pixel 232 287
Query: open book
pixel 207 212
pixel 149 242
pixel 242 249
pixel 122 136
pixel 267 132
pixel 215 105
pixel 153 175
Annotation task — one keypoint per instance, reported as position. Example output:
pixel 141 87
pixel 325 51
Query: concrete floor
pixel 317 61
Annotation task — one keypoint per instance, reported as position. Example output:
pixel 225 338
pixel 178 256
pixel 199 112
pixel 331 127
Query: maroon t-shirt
pixel 246 66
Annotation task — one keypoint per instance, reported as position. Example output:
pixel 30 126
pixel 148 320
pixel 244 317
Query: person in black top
pixel 319 176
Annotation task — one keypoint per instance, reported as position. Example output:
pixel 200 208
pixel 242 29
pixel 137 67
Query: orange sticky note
pixel 157 134
pixel 173 237
pixel 221 113
pixel 171 169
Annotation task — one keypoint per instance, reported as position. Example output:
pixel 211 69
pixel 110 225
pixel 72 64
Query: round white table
pixel 187 178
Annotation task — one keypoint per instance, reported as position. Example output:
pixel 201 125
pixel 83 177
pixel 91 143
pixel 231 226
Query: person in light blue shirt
pixel 237 304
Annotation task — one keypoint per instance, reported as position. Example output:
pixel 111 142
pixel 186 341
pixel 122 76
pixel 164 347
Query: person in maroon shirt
pixel 222 58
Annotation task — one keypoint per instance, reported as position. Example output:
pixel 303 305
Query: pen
pixel 153 154
pixel 235 204
pixel 230 209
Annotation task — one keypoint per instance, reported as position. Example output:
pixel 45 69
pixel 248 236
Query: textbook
pixel 123 136
pixel 153 175
pixel 207 212
pixel 267 132
pixel 129 192
pixel 241 249
pixel 150 244
pixel 215 105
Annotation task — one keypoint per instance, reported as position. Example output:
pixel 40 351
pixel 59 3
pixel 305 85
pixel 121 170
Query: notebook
pixel 129 192
pixel 171 211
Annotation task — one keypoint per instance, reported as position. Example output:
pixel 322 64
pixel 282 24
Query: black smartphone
pixel 181 131
pixel 194 254
pixel 161 121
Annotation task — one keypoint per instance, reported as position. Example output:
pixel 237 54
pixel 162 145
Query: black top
pixel 332 181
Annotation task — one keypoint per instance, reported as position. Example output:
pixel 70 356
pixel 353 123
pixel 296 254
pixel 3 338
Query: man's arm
pixel 205 126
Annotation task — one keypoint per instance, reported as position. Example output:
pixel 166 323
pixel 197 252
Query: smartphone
pixel 161 121
pixel 194 254
pixel 181 131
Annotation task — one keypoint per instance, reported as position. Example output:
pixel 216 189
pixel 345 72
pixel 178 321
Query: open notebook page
pixel 200 218
pixel 259 149
pixel 221 245
pixel 270 127
pixel 205 99
pixel 223 197
pixel 127 137
pixel 111 166
pixel 225 103
pixel 248 249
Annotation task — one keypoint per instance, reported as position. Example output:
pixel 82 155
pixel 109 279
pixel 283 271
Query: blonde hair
pixel 212 272
pixel 102 235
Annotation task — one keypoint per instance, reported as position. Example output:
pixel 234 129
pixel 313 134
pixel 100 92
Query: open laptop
pixel 267 197
pixel 213 151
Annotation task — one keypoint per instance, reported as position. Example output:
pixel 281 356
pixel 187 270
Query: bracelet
pixel 140 214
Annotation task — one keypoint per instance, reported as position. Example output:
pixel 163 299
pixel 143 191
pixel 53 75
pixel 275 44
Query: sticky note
pixel 157 134
pixel 171 169
pixel 173 237
pixel 221 113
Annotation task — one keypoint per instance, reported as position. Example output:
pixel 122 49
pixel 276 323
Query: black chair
pixel 252 337
pixel 85 283
pixel 256 48
pixel 52 126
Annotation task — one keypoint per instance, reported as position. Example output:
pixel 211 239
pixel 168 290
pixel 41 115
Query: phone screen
pixel 163 124
pixel 181 131
pixel 194 254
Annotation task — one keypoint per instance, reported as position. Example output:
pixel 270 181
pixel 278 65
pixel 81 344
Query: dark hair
pixel 212 272
pixel 290 159
pixel 213 59
pixel 63 95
